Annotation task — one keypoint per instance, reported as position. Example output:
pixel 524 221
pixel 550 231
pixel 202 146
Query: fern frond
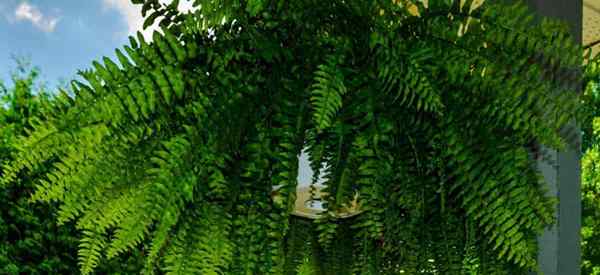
pixel 306 268
pixel 202 245
pixel 90 249
pixel 327 92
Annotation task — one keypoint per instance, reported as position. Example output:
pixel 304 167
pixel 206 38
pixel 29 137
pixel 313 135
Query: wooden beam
pixel 560 252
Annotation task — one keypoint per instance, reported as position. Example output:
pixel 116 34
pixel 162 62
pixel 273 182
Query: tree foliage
pixel 31 242
pixel 590 171
pixel 424 110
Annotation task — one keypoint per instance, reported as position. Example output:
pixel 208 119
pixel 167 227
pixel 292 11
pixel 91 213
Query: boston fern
pixel 426 111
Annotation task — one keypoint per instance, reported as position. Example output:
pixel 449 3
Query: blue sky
pixel 63 36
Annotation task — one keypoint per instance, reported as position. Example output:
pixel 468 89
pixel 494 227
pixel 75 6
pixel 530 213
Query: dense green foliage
pixel 30 240
pixel 425 110
pixel 590 171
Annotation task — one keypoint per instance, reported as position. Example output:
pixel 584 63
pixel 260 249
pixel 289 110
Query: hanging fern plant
pixel 423 111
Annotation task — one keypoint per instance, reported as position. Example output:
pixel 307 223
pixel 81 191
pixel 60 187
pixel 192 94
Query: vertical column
pixel 548 255
pixel 569 211
pixel 560 246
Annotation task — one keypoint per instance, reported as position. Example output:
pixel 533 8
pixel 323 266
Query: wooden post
pixel 560 246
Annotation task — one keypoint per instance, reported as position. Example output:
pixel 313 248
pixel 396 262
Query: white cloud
pixel 133 16
pixel 186 6
pixel 31 13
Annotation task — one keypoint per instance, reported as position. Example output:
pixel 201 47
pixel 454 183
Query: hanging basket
pixel 313 208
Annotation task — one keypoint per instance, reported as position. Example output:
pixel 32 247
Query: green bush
pixel 31 241
pixel 590 171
